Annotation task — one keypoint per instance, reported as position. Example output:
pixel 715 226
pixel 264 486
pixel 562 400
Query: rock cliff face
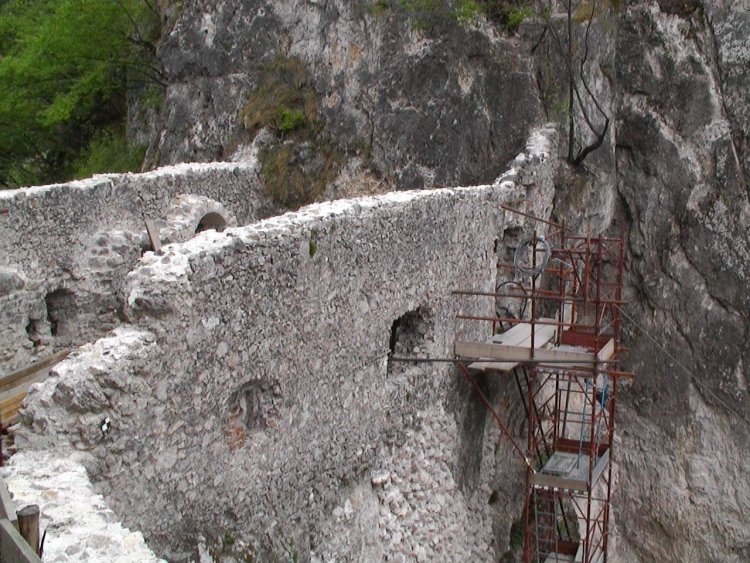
pixel 414 100
pixel 682 169
pixel 449 103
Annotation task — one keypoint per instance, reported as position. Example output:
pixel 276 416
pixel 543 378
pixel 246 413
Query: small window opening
pixel 211 222
pixel 60 309
pixel 409 334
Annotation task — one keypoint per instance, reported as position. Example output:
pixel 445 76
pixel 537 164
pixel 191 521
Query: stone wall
pixel 252 405
pixel 65 249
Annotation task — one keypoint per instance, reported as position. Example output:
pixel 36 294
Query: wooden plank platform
pixel 507 357
pixel 518 336
pixel 565 475
pixel 560 558
pixel 13 386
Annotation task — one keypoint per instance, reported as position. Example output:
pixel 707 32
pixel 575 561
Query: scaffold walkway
pixel 564 353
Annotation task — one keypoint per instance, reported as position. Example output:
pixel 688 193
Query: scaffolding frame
pixel 568 382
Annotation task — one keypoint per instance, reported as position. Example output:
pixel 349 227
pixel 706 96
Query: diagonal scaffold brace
pixel 486 403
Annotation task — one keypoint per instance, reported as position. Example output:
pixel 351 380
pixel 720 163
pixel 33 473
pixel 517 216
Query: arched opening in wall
pixel 409 335
pixel 36 331
pixel 251 406
pixel 211 221
pixel 61 311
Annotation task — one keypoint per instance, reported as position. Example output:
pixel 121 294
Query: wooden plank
pixel 10 417
pixel 7 508
pixel 13 548
pixel 17 375
pixel 559 558
pixel 153 235
pixel 554 481
pixel 29 379
pixel 515 354
pixel 519 335
pixel 607 352
pixel 11 405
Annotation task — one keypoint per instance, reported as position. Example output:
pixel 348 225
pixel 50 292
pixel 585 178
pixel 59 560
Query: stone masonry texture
pixel 250 393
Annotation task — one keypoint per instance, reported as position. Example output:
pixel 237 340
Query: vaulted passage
pixel 211 222
pixel 61 310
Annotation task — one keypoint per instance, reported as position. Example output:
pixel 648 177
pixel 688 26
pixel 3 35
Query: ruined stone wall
pixel 252 395
pixel 65 249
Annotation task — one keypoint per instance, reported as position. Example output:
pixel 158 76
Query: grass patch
pixel 284 99
pixel 379 8
pixel 295 174
pixel 297 167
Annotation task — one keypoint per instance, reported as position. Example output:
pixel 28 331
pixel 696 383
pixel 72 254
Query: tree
pixel 576 81
pixel 65 66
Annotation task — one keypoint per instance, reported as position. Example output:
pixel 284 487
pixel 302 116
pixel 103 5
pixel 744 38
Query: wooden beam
pixel 13 548
pixel 153 235
pixel 504 353
pixel 7 508
pixel 8 380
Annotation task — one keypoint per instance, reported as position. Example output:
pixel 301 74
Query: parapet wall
pixel 65 249
pixel 252 393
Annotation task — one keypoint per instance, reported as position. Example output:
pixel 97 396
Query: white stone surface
pixel 78 523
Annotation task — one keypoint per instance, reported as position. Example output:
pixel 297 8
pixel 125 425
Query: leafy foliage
pixel 65 66
pixel 284 100
pixel 505 13
pixel 108 151
pixel 298 166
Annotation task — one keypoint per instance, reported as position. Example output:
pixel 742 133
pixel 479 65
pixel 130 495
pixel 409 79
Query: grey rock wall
pixel 418 103
pixel 252 395
pixel 683 200
pixel 65 249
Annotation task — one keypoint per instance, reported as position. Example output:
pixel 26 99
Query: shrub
pixel 284 99
pixel 109 151
pixel 289 120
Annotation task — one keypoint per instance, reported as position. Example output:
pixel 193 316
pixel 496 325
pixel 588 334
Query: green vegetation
pixel 380 8
pixel 514 16
pixel 108 151
pixel 289 120
pixel 65 67
pixel 284 100
pixel 313 248
pixel 516 533
pixel 298 166
pixel 428 13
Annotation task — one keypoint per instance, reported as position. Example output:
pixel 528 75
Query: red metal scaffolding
pixel 564 351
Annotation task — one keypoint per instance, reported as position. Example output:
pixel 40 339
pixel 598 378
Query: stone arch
pixel 190 214
pixel 211 221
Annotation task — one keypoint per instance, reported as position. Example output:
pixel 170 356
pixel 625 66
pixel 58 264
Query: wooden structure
pixel 566 364
pixel 14 385
pixel 13 547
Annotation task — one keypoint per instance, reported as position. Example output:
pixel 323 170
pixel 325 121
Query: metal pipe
pixel 528 215
pixel 544 294
pixel 486 403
